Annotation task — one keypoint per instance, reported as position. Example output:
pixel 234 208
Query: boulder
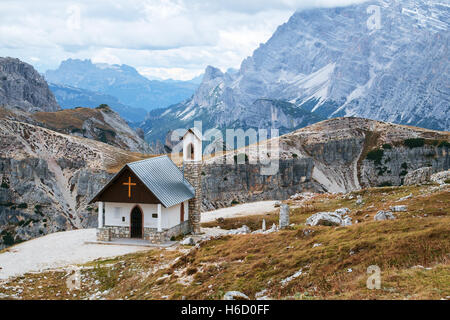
pixel 242 230
pixel 235 295
pixel 441 177
pixel 409 196
pixel 189 241
pixel 399 208
pixel 336 218
pixel 418 176
pixel 384 215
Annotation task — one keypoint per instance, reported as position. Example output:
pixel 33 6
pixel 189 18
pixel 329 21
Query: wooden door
pixel 182 212
pixel 136 223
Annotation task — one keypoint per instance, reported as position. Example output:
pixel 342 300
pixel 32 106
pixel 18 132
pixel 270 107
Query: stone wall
pixel 108 233
pixel 193 174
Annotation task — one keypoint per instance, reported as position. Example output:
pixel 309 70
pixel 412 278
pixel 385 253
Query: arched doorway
pixel 190 151
pixel 136 223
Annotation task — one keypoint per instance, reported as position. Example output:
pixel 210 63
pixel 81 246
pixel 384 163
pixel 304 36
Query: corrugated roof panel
pixel 164 179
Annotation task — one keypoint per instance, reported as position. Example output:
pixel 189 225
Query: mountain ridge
pixel 121 81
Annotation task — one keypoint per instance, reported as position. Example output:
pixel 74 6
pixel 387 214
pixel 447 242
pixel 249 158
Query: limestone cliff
pixel 338 155
pixel 22 87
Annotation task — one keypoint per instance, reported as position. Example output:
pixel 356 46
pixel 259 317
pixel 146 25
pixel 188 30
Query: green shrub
pixel 447 181
pixel 387 146
pixel 404 165
pixel 37 209
pixel 403 173
pixel 5 185
pixel 385 184
pixel 375 155
pixel 444 144
pixel 414 143
pixel 294 155
pixel 8 239
pixel 234 202
pixel 22 206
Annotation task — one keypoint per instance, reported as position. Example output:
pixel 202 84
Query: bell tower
pixel 192 164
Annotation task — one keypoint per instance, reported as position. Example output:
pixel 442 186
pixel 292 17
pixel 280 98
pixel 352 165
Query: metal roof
pixel 163 178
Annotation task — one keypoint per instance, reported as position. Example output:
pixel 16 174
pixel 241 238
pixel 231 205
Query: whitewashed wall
pixel 114 212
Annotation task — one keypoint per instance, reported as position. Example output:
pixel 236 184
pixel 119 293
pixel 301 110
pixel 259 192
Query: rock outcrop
pixel 47 179
pixel 22 87
pixel 441 177
pixel 337 218
pixel 101 124
pixel 418 176
pixel 384 215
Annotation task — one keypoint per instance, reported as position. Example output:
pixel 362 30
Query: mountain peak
pixel 22 87
pixel 212 73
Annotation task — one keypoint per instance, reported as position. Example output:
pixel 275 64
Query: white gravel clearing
pixel 241 210
pixel 63 249
pixel 57 250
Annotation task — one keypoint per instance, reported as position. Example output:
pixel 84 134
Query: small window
pixel 123 219
pixel 155 215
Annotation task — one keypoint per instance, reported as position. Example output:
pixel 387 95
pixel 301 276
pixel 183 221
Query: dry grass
pixel 412 252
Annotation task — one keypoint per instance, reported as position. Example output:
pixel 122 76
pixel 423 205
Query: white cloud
pixel 172 38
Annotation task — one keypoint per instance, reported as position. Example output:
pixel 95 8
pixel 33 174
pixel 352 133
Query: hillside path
pixel 63 249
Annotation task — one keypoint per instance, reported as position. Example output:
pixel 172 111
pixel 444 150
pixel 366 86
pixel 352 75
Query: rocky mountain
pixel 338 155
pixel 385 60
pixel 47 179
pixel 101 124
pixel 69 97
pixel 22 87
pixel 121 81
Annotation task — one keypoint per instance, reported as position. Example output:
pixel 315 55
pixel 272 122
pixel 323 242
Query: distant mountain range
pixel 384 60
pixel 70 97
pixel 129 92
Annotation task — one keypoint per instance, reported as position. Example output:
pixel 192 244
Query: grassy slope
pixel 251 263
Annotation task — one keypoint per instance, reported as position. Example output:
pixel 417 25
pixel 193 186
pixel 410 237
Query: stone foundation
pixel 107 233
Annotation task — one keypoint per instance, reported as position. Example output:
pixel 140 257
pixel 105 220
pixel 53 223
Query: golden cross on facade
pixel 129 184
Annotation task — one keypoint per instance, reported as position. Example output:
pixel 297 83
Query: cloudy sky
pixel 162 38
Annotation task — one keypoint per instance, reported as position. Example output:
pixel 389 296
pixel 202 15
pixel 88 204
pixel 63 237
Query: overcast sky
pixel 162 38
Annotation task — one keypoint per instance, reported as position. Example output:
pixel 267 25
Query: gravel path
pixel 57 250
pixel 241 210
pixel 63 249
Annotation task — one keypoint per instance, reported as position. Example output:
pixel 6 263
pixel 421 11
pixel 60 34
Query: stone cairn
pixel 192 173
pixel 284 216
